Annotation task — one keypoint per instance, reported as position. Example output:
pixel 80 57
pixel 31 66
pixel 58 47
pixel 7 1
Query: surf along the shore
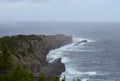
pixel 62 52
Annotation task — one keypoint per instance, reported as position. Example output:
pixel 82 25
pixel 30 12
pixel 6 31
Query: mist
pixel 69 28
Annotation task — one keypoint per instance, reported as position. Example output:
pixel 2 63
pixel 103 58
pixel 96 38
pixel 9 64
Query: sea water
pixel 96 60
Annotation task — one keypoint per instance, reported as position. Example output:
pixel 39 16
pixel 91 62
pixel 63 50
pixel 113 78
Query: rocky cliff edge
pixel 30 52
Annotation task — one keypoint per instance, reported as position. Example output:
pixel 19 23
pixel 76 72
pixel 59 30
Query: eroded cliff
pixel 30 51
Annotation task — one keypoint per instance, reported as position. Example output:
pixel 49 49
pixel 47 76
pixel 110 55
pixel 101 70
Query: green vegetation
pixel 5 58
pixel 16 42
pixel 20 74
pixel 8 71
pixel 17 74
pixel 14 72
pixel 42 78
pixel 30 50
pixel 55 78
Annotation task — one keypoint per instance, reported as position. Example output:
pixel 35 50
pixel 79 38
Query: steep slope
pixel 30 50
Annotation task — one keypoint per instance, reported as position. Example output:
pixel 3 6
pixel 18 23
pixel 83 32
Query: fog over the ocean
pixel 75 29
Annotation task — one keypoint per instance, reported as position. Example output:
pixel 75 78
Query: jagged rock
pixel 53 69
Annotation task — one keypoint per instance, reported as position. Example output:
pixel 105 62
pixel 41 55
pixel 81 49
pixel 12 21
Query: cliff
pixel 30 52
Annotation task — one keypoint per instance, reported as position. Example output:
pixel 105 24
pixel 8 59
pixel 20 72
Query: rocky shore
pixel 30 52
pixel 53 69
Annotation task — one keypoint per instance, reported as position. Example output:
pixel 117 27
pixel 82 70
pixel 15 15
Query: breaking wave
pixel 71 72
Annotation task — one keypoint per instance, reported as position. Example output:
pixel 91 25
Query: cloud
pixel 22 3
pixel 60 10
pixel 33 1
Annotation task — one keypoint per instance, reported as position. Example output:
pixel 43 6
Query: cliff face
pixel 53 69
pixel 30 50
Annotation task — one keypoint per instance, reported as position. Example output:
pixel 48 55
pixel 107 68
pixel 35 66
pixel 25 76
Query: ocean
pixel 96 60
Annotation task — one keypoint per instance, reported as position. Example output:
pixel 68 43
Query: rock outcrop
pixel 30 51
pixel 83 41
pixel 53 69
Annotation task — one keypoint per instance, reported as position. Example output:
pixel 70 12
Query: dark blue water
pixel 99 60
pixel 96 60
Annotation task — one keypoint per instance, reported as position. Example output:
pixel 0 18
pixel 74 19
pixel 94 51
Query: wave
pixel 71 72
pixel 54 54
pixel 80 50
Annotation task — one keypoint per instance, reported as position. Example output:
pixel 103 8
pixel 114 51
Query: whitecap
pixel 85 79
pixel 57 53
pixel 80 50
pixel 65 60
pixel 71 72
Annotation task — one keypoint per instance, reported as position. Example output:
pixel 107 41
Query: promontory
pixel 30 51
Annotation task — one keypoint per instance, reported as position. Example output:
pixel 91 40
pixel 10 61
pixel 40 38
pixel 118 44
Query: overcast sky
pixel 60 10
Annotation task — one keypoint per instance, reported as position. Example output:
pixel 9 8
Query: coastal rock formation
pixel 53 69
pixel 30 52
pixel 83 41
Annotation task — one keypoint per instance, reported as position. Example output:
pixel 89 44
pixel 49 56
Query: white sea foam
pixel 54 54
pixel 65 60
pixel 85 79
pixel 71 72
pixel 80 50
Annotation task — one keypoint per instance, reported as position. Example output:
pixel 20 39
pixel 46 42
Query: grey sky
pixel 60 10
